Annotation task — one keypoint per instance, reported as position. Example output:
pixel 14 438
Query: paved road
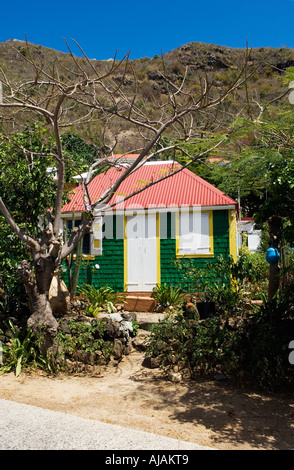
pixel 26 427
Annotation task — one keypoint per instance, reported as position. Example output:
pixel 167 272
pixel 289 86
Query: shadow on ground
pixel 243 417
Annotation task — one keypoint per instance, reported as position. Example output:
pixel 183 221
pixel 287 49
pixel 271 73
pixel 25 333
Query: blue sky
pixel 146 28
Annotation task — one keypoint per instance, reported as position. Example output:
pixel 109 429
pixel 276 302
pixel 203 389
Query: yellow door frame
pixel 158 264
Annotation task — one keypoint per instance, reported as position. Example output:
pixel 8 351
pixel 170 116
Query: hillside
pixel 220 65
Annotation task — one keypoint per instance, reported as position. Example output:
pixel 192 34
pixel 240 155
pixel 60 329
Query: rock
pixel 96 370
pixel 140 341
pixel 59 297
pixel 126 327
pixel 85 357
pixel 159 309
pixel 115 317
pixel 64 326
pixel 186 373
pixel 112 330
pixel 118 349
pixel 153 75
pixel 139 344
pixel 175 377
pixel 75 366
pixel 130 316
pixel 113 363
pixel 151 362
pixel 116 329
pixel 155 362
pixel 128 348
pixel 147 362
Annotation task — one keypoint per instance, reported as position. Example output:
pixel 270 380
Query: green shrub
pixel 226 282
pixel 167 295
pixel 195 345
pixel 82 336
pixel 136 327
pixel 263 347
pixel 251 349
pixel 99 299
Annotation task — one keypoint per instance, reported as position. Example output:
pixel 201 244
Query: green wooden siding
pixel 108 268
pixel 111 262
pixel 111 266
pixel 110 271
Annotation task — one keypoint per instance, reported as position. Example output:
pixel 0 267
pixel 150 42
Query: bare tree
pixel 98 95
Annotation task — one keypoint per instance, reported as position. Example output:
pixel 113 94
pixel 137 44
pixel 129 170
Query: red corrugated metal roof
pixel 182 189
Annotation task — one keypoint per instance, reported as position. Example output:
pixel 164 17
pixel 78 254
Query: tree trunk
pixel 274 282
pixel 41 321
pixel 275 225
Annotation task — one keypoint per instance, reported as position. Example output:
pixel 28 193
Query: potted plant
pixel 206 303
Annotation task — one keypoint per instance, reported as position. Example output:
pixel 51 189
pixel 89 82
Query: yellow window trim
pixel 90 257
pixel 196 255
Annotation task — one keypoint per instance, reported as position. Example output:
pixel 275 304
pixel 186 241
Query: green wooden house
pixel 134 243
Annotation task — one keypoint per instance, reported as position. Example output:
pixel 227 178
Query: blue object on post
pixel 272 256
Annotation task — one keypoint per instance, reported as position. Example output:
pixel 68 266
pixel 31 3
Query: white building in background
pixel 247 225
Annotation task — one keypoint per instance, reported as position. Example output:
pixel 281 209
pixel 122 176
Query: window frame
pixel 210 253
pixel 65 228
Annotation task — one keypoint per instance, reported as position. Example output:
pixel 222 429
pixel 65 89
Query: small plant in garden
pixel 20 350
pixel 99 299
pixel 136 327
pixel 167 296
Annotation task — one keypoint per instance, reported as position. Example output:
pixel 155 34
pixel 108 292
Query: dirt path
pixel 207 413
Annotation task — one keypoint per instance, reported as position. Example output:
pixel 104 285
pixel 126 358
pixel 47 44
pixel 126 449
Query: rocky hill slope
pixel 219 65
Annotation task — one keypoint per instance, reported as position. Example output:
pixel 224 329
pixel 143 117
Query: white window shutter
pixel 61 227
pixel 194 236
pixel 96 239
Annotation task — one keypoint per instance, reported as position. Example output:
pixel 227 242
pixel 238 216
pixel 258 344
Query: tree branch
pixel 22 236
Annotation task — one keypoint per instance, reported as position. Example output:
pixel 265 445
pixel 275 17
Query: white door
pixel 141 253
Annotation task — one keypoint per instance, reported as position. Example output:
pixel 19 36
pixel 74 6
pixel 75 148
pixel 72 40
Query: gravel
pixel 27 427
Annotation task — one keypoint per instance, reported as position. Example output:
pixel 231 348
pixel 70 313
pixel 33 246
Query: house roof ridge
pixel 161 162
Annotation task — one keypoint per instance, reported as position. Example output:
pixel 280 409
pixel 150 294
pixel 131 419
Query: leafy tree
pixel 261 175
pixel 28 174
pixel 280 199
pixel 33 189
pixel 80 155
